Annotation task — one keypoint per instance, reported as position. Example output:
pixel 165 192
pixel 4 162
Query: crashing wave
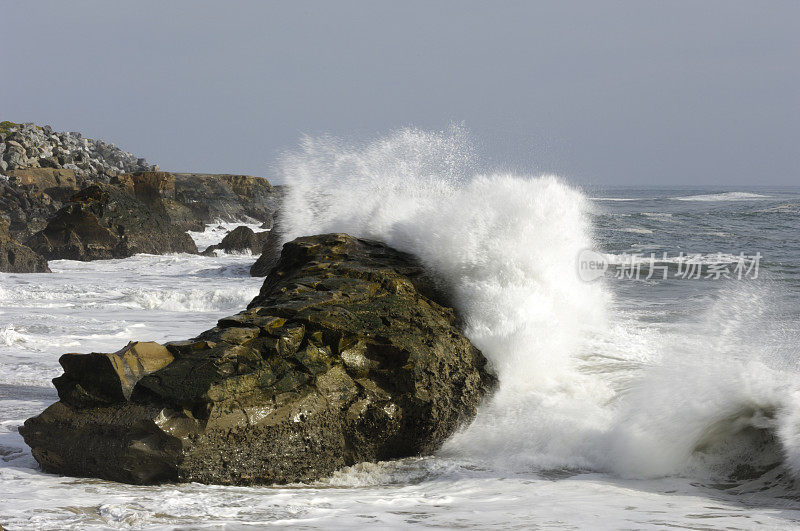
pixel 583 386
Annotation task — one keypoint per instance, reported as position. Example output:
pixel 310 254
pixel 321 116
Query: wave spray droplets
pixel 583 386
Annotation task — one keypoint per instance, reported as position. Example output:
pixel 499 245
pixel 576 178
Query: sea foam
pixel 582 385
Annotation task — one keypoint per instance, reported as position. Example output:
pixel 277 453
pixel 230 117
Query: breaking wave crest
pixel 584 385
pixel 194 300
pixel 724 196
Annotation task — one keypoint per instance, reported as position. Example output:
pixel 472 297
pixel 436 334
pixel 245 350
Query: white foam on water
pixel 641 257
pixel 9 335
pixel 622 199
pixel 724 196
pixel 575 392
pixel 101 305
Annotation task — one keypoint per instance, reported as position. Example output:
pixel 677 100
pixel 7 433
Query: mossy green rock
pixel 345 356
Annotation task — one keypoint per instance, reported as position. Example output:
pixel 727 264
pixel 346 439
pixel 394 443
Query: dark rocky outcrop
pixel 182 217
pixel 227 197
pixel 240 239
pixel 102 221
pixel 345 356
pixel 147 186
pixel 27 211
pixel 156 189
pixel 29 197
pixel 18 258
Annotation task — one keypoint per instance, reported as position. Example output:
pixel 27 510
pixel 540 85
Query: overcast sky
pixel 600 92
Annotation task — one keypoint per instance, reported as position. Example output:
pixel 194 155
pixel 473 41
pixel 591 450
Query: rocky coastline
pixel 63 196
pixel 349 353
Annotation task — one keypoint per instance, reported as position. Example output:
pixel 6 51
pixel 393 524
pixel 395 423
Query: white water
pixel 574 393
pixel 725 196
pixel 85 306
pixel 216 231
pixel 605 417
pixel 502 244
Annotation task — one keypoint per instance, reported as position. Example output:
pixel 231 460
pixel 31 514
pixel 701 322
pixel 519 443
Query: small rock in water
pixel 240 239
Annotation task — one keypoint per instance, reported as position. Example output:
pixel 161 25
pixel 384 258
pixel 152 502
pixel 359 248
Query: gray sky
pixel 635 92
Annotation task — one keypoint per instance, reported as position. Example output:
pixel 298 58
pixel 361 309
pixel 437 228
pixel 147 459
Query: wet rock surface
pixel 345 356
pixel 96 378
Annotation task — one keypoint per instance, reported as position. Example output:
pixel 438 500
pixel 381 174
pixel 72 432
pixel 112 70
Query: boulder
pixel 102 222
pixel 240 239
pixel 15 154
pixel 18 258
pixel 347 355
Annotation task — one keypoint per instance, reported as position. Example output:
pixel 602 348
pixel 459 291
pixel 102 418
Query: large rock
pixel 227 197
pixel 347 355
pixel 240 239
pixel 102 222
pixel 182 216
pixel 17 258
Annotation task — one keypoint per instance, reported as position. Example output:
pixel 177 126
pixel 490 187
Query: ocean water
pixel 628 402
